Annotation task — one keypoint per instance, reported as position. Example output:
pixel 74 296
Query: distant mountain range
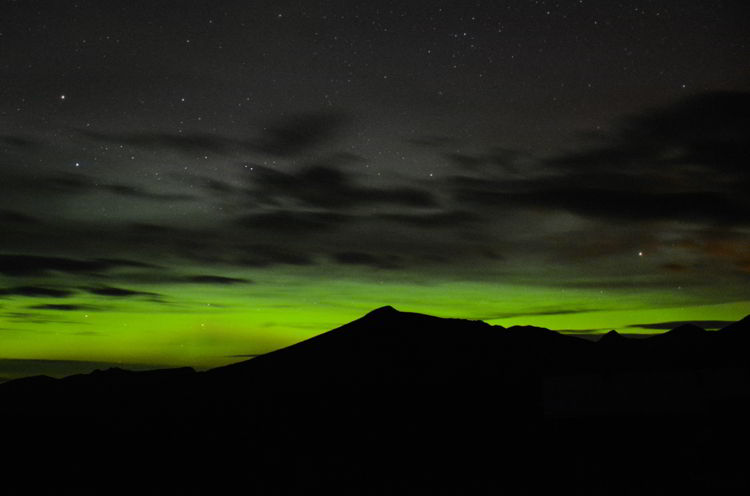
pixel 397 403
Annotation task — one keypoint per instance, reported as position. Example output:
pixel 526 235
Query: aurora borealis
pixel 194 183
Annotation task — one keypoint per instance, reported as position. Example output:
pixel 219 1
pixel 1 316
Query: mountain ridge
pixel 399 403
pixel 387 316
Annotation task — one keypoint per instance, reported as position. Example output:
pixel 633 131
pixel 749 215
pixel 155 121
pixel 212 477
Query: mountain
pixel 396 403
pixel 612 338
pixel 384 345
pixel 740 326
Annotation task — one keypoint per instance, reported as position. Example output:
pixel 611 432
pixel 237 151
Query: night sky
pixel 189 183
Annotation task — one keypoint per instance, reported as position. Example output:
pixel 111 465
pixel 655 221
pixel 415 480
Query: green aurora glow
pixel 206 326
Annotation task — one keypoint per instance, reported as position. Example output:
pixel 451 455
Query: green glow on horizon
pixel 206 326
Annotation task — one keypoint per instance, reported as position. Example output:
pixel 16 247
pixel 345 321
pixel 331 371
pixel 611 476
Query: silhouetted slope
pixel 741 326
pixel 384 345
pixel 388 345
pixel 612 338
pixel 399 402
pixel 735 337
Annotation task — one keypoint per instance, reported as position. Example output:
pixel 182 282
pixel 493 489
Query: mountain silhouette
pixel 612 338
pixel 396 403
pixel 384 345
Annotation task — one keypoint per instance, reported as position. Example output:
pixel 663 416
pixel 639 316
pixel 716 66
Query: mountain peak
pixel 742 324
pixel 684 333
pixel 611 337
pixel 383 311
pixel 687 330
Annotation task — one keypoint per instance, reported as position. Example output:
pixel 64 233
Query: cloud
pixel 683 162
pixel 119 262
pixel 726 245
pixel 63 307
pixel 675 267
pixel 117 292
pixel 30 265
pixel 17 218
pixel 666 326
pixel 36 291
pixel 463 160
pixel 262 255
pixel 495 160
pixel 135 192
pixel 288 137
pixel 60 184
pixel 42 318
pixel 327 186
pixel 432 141
pixel 540 313
pixel 255 240
pixel 291 221
pixel 18 141
pixel 220 280
pixel 218 187
pixel 709 130
pixel 582 333
pixel 299 133
pixel 262 216
pixel 367 259
pixel 596 203
pixel 433 220
pixel 194 143
pixel 606 202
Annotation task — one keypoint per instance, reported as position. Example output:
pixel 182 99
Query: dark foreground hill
pixel 400 403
